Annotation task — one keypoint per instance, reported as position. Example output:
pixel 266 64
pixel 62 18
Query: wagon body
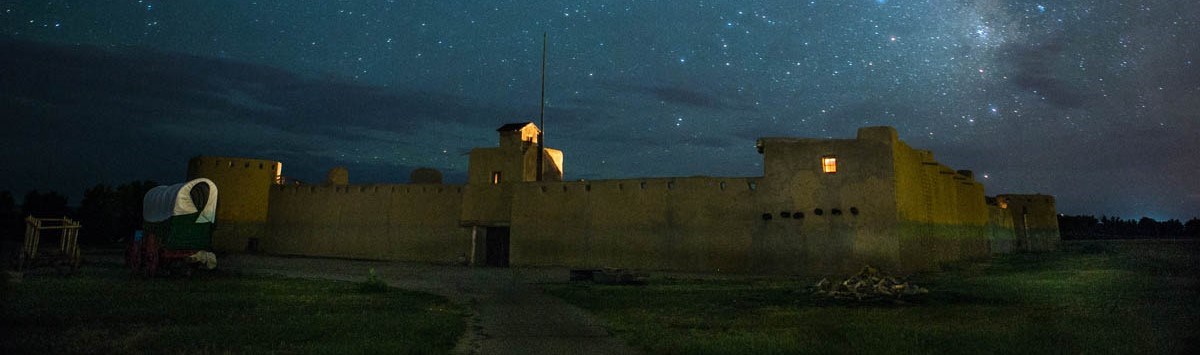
pixel 177 222
pixel 181 232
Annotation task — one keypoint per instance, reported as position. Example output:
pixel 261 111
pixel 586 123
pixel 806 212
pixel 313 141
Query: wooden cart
pixel 65 258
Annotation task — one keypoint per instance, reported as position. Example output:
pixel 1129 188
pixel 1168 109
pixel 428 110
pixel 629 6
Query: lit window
pixel 495 178
pixel 829 164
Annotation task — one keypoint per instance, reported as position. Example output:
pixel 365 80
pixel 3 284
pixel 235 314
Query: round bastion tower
pixel 243 188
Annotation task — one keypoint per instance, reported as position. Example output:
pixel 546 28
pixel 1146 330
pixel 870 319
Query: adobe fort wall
pixel 821 206
pixel 414 222
pixel 486 204
pixel 493 172
pixel 849 213
pixel 1034 219
pixel 696 223
pixel 1000 224
pixel 942 213
pixel 243 188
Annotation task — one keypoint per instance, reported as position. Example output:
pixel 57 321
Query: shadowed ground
pixel 511 315
pixel 101 309
pixel 1095 297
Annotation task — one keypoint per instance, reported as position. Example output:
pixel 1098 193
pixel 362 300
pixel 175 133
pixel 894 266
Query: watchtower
pixel 245 186
pixel 515 160
pixel 491 174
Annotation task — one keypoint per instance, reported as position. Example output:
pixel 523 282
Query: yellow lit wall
pixel 416 222
pixel 794 181
pixel 943 214
pixel 489 204
pixel 696 223
pixel 243 188
pixel 887 204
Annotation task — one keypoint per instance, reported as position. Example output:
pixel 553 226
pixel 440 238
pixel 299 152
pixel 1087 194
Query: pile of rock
pixel 869 284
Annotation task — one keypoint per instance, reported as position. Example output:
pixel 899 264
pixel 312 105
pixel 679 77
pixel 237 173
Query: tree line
pixel 1105 227
pixel 108 213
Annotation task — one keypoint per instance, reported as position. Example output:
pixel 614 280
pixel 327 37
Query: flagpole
pixel 542 115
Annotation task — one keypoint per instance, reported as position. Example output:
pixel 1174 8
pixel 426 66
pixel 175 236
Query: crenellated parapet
pixel 821 205
pixel 244 185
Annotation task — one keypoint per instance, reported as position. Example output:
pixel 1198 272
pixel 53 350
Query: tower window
pixel 495 178
pixel 829 164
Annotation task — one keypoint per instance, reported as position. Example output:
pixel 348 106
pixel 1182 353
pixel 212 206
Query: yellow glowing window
pixel 495 178
pixel 829 164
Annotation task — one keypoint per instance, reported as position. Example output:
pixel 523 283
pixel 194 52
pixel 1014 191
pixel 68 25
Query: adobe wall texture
pixel 1034 219
pixel 487 201
pixel 243 187
pixel 942 214
pixel 1000 223
pixel 695 223
pixel 415 222
pixel 849 214
pixel 887 204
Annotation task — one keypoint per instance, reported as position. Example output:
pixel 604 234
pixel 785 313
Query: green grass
pixel 1096 297
pixel 103 310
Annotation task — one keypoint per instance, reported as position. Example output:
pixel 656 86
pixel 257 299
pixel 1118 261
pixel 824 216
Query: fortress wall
pixel 833 236
pixel 552 165
pixel 973 212
pixel 1035 221
pixel 1000 225
pixel 243 187
pixel 942 214
pixel 697 223
pixel 412 222
pixel 487 203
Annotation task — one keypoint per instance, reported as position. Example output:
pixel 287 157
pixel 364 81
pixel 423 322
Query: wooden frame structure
pixel 68 243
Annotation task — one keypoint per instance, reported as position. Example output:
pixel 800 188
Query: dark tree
pixel 1148 227
pixel 1088 227
pixel 1192 227
pixel 10 220
pixel 110 214
pixel 7 204
pixel 130 196
pixel 47 205
pixel 99 212
pixel 1078 227
pixel 1171 228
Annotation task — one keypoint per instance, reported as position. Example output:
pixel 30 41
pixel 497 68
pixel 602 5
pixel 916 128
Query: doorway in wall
pixel 496 245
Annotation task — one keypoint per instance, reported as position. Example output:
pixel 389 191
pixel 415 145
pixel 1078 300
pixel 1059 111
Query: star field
pixel 1092 101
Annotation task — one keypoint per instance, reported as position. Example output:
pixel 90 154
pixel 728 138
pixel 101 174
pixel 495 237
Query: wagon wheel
pixel 151 253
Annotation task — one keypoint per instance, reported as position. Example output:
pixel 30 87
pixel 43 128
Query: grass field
pixel 1094 297
pixel 103 310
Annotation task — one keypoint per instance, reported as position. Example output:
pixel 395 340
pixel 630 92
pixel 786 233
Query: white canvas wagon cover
pixel 162 202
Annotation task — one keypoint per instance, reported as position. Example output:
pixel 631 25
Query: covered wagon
pixel 177 226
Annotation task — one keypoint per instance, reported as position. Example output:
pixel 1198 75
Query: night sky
pixel 1095 102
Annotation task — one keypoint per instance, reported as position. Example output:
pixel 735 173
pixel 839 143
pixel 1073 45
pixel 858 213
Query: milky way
pixel 1096 102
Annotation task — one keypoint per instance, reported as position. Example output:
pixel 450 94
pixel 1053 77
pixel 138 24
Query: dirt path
pixel 510 315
